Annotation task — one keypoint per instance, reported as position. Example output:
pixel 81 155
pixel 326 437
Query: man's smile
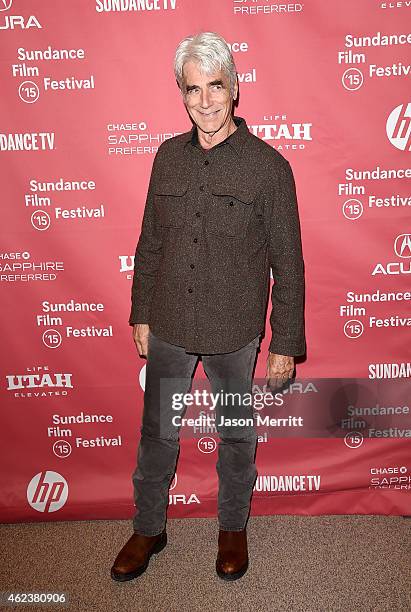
pixel 213 114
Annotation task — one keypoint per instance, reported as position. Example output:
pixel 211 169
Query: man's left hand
pixel 280 368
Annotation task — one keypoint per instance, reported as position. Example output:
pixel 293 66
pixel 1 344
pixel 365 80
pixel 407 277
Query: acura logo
pixel 5 5
pixel 173 483
pixel 402 245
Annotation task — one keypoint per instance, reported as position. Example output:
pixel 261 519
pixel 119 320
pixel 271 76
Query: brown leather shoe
pixel 232 558
pixel 133 558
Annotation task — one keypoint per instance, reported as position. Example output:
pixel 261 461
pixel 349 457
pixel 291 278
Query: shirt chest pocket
pixel 170 204
pixel 229 210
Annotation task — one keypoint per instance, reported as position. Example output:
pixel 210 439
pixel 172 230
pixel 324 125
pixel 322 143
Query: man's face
pixel 207 97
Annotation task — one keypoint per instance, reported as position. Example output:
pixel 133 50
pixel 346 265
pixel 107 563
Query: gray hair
pixel 212 54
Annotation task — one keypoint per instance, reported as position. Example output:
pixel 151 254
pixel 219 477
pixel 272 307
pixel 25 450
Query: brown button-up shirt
pixel 214 222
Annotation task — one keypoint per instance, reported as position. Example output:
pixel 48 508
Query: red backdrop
pixel 87 95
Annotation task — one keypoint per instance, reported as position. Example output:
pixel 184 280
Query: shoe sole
pixel 231 577
pixel 157 548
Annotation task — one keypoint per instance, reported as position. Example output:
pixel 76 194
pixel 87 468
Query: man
pixel 221 208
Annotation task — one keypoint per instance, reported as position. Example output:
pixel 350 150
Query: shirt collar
pixel 235 140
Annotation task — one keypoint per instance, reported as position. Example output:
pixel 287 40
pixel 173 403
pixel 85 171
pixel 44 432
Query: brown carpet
pixel 321 563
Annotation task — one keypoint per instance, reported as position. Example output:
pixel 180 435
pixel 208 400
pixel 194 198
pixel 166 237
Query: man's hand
pixel 140 337
pixel 279 369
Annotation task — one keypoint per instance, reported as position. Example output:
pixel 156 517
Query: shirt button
pixel 195 240
pixel 198 214
pixel 201 187
pixel 192 266
pixel 190 290
pixel 206 162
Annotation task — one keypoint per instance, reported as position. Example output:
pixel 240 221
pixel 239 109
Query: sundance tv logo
pixel 134 5
pixel 47 491
pixel 398 127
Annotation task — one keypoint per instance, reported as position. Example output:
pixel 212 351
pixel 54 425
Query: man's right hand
pixel 140 337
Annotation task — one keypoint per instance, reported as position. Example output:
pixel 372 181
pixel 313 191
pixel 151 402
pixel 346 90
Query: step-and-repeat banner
pixel 87 97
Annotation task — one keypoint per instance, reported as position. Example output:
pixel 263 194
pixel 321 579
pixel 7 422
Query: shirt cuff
pixel 291 350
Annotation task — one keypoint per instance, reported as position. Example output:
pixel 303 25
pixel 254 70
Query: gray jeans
pixel 169 367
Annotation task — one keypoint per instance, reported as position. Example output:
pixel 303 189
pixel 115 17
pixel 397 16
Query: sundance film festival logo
pixel 13 22
pixel 398 127
pixel 47 491
pixel 402 248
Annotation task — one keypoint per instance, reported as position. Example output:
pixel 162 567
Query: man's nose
pixel 205 99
